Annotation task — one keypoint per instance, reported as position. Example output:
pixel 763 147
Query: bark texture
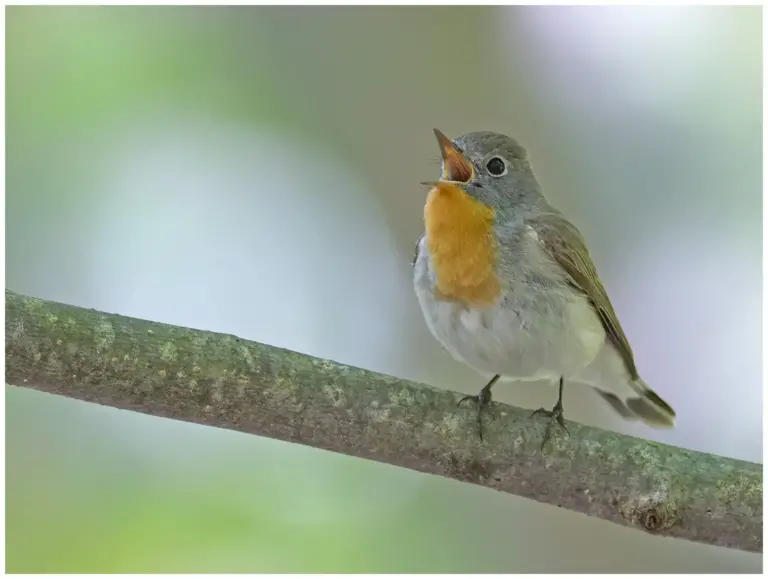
pixel 221 380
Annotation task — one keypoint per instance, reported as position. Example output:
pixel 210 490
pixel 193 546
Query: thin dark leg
pixel 555 415
pixel 482 400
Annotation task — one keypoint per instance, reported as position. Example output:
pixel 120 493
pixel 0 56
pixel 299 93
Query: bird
pixel 507 285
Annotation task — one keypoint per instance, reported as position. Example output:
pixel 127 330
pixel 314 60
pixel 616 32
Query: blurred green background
pixel 255 171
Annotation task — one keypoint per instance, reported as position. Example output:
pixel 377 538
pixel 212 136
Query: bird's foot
pixel 554 415
pixel 482 400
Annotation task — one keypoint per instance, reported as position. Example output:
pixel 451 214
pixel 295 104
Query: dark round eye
pixel 496 167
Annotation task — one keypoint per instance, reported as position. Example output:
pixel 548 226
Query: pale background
pixel 255 171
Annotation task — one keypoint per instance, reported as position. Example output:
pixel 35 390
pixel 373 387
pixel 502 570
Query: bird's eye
pixel 496 167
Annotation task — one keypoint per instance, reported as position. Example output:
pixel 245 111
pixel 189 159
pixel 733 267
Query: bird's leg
pixel 555 415
pixel 482 400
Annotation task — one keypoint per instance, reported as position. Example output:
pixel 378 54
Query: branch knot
pixel 654 512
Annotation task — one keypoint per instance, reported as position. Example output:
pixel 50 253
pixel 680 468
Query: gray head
pixel 491 167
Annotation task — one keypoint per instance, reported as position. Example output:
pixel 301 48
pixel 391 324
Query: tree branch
pixel 221 380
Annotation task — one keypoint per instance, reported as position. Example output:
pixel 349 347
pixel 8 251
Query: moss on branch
pixel 224 381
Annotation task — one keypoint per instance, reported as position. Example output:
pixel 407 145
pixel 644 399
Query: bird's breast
pixel 462 246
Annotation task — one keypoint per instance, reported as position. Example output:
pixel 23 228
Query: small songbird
pixel 507 285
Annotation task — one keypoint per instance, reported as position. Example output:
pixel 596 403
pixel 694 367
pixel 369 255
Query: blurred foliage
pixel 78 66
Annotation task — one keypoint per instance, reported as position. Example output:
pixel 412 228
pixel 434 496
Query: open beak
pixel 456 168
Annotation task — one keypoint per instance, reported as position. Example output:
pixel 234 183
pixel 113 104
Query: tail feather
pixel 617 404
pixel 647 406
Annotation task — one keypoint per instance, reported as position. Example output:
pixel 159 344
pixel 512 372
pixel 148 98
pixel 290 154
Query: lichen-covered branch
pixel 224 381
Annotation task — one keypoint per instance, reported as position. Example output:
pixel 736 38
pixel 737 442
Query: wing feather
pixel 566 246
pixel 416 252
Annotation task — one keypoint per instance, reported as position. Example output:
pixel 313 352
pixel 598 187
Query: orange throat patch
pixel 461 242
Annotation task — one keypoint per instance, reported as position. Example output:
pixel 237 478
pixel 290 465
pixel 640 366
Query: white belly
pixel 542 337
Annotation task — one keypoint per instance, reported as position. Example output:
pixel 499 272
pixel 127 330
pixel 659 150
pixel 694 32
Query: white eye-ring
pixel 496 166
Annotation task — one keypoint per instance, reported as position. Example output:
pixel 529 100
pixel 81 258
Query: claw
pixel 473 398
pixel 483 399
pixel 481 404
pixel 554 415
